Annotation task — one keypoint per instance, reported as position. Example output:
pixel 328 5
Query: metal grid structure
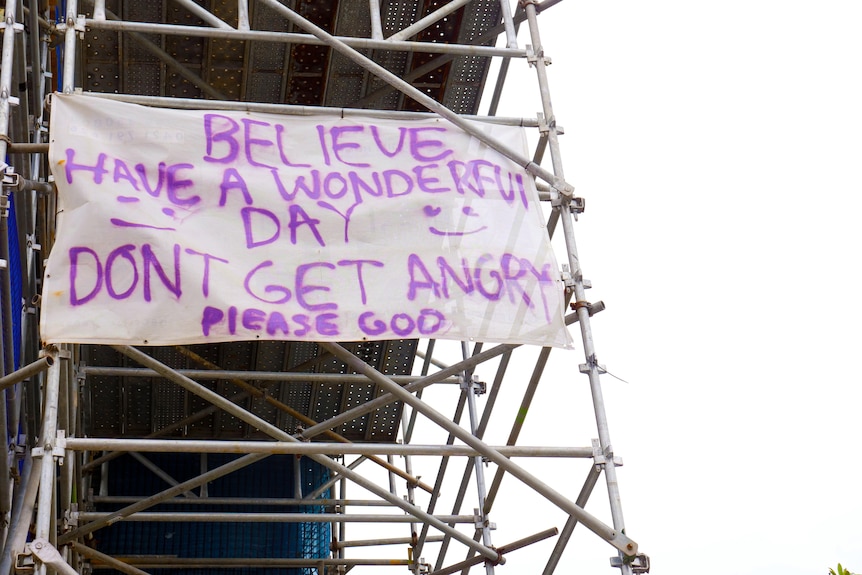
pixel 347 409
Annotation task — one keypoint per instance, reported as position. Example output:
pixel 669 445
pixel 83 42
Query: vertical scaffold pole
pixel 45 451
pixel 69 47
pixel 376 23
pixel 509 24
pixel 243 15
pixel 408 468
pixel 481 515
pixel 6 341
pixel 6 66
pixel 565 205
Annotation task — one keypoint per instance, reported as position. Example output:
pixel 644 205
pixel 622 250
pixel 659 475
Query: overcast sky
pixel 719 149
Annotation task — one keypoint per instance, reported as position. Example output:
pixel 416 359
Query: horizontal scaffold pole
pixel 162 562
pixel 295 110
pixel 247 375
pixel 294 38
pixel 281 447
pixel 211 517
pixel 268 501
pixel 376 542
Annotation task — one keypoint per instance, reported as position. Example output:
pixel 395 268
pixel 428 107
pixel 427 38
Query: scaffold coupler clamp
pixel 536 3
pixel 473 383
pixel 10 21
pixel 32 243
pixel 78 23
pixel 592 363
pixel 602 456
pixel 55 352
pixel 564 193
pixel 545 125
pixel 81 373
pixel 566 190
pixel 47 554
pixel 57 448
pixel 639 563
pixel 577 206
pixel 299 433
pixel 480 521
pixel 10 184
pixel 568 279
pixel 534 56
pixel 70 518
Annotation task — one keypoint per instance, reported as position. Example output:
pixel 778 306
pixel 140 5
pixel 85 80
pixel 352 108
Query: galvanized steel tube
pixel 615 538
pixel 293 110
pixel 376 24
pixel 291 377
pixel 225 517
pixel 294 38
pixel 7 336
pixel 629 547
pixel 571 522
pixel 69 47
pixel 48 438
pixel 277 433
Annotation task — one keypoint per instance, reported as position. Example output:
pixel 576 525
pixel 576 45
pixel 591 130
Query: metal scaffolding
pixel 358 417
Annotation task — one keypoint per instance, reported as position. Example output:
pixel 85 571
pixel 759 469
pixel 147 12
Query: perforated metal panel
pixel 271 72
pixel 270 478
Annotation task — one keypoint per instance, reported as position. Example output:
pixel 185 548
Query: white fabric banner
pixel 190 226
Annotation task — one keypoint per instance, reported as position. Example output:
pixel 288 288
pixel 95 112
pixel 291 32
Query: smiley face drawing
pixel 170 212
pixel 462 222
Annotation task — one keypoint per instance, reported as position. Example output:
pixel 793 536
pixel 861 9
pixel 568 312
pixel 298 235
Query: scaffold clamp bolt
pixel 565 189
